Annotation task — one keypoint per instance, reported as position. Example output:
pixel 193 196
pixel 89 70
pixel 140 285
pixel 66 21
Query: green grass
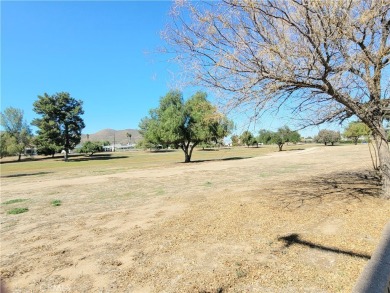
pixel 56 202
pixel 11 201
pixel 107 163
pixel 16 211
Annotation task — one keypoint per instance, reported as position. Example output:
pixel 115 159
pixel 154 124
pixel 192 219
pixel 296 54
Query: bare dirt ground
pixel 297 221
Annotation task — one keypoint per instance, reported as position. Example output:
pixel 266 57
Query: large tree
pixel 284 135
pixel 326 59
pixel 17 132
pixel 184 124
pixel 326 136
pixel 356 130
pixel 247 138
pixel 61 123
pixel 265 136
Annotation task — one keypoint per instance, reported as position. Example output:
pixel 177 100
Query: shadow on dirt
pixel 343 186
pixel 294 239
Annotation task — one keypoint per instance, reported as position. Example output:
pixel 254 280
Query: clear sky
pixel 101 52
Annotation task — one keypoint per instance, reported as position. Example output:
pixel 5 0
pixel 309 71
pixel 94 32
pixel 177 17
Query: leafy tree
pixel 326 136
pixel 61 122
pixel 265 136
pixel 235 140
pixel 355 130
pixel 327 59
pixel 285 135
pixel 91 147
pixel 18 133
pixel 184 124
pixel 247 138
pixel 7 144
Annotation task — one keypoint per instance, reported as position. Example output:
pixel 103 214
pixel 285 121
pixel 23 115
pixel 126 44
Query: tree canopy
pixel 324 59
pixel 247 138
pixel 326 136
pixel 17 134
pixel 61 123
pixel 285 135
pixel 265 136
pixel 184 124
pixel 91 147
pixel 355 130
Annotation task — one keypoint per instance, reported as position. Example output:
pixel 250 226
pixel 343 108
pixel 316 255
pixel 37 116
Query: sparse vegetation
pixel 225 211
pixel 56 202
pixel 16 211
pixel 11 201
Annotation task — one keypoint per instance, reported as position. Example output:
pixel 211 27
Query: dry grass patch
pixel 302 221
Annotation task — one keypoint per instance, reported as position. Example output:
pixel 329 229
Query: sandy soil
pixel 297 221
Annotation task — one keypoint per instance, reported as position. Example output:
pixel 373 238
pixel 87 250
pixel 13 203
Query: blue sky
pixel 99 52
pixel 103 53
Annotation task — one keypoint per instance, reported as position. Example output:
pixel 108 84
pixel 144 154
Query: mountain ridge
pixel 112 135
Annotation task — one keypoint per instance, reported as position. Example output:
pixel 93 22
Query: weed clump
pixel 16 211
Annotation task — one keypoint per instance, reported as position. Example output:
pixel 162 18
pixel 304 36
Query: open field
pixel 236 220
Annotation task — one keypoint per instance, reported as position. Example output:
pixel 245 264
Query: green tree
pixel 92 147
pixel 326 136
pixel 235 140
pixel 61 123
pixel 355 130
pixel 184 124
pixel 247 138
pixel 7 145
pixel 265 136
pixel 285 135
pixel 18 132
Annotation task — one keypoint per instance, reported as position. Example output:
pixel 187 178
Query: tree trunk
pixel 20 157
pixel 187 158
pixel 384 164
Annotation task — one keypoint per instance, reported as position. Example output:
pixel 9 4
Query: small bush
pixel 16 211
pixel 56 202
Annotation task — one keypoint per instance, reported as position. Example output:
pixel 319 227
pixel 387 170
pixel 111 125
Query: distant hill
pixel 109 134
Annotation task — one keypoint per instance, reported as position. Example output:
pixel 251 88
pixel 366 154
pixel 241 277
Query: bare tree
pixel 327 59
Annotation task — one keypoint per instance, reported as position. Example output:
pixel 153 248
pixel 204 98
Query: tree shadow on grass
pixel 57 157
pixel 25 174
pixel 339 186
pixel 220 160
pixel 100 157
pixel 294 239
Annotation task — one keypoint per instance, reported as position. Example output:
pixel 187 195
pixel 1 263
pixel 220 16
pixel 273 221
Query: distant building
pixel 118 147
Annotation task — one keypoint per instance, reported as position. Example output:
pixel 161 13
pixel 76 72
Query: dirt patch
pixel 303 221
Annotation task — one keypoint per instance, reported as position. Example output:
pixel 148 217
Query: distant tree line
pixel 176 123
pixel 280 137
pixel 354 132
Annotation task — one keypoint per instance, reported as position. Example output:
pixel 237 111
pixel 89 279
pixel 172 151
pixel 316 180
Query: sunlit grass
pixel 122 161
